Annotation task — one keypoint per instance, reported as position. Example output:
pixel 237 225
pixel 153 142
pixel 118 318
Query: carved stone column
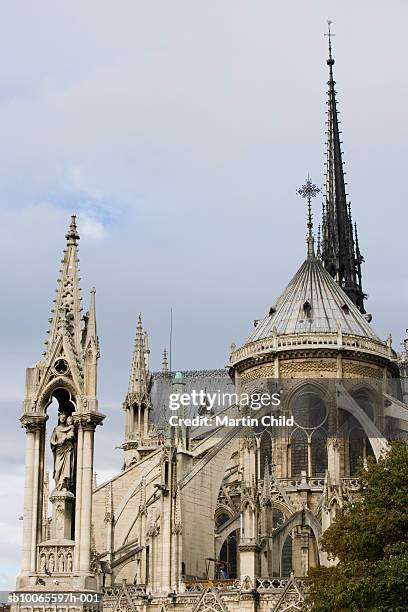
pixel 33 489
pixel 84 474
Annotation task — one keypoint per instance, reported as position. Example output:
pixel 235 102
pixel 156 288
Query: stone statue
pixel 61 562
pixel 69 562
pixel 62 446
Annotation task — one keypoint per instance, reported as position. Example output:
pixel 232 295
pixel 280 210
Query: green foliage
pixel 369 538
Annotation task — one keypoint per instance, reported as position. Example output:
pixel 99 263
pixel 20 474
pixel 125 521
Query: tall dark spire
pixel 340 256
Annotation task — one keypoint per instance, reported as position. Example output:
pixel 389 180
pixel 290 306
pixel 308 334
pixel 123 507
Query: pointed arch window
pixel 356 449
pixel 359 449
pixel 227 568
pixel 278 518
pixel 299 452
pixel 221 518
pixel 319 453
pixel 287 557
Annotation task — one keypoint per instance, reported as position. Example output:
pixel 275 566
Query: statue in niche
pixel 61 562
pixel 63 448
pixel 69 562
pixel 51 563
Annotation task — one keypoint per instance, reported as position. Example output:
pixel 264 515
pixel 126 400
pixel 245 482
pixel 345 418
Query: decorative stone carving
pixel 153 523
pixel 33 421
pixel 62 510
pixel 61 562
pixel 306 367
pixel 247 584
pixel 357 369
pixel 265 371
pixel 68 566
pixel 55 559
pixel 210 601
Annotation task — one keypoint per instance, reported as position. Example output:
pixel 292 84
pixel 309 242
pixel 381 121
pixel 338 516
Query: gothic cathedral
pixel 212 519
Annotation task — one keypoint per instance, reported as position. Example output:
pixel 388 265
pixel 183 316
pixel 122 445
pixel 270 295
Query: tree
pixel 369 538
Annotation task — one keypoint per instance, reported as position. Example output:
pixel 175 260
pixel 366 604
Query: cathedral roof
pixel 313 302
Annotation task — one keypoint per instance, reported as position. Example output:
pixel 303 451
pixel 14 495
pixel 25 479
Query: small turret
pixel 137 404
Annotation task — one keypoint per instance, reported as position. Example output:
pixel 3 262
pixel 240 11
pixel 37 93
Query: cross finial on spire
pixel 139 329
pixel 72 235
pixel 309 190
pixel 329 34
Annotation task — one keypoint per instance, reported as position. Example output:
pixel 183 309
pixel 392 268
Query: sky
pixel 178 132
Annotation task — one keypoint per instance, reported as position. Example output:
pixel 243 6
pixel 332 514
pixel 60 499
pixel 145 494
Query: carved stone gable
pixel 291 598
pixel 210 601
pixel 124 601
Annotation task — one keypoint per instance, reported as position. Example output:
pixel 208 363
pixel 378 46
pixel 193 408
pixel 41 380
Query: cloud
pixel 91 227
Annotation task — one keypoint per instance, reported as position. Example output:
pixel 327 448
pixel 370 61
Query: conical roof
pixel 313 302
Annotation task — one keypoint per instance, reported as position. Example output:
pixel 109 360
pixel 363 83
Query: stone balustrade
pixel 350 484
pixel 277 344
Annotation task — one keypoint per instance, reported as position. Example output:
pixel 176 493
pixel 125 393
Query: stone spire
pixel 66 314
pixel 339 254
pixel 139 380
pixel 66 374
pixel 146 351
pixel 90 335
pixel 137 404
pixel 72 350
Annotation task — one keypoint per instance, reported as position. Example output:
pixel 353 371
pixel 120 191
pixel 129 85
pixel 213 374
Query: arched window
pixel 286 560
pixel 298 445
pixel 278 518
pixel 60 405
pixel 319 453
pixel 221 518
pixel 359 449
pixel 228 557
pixel 64 399
pixel 356 449
pixel 309 410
